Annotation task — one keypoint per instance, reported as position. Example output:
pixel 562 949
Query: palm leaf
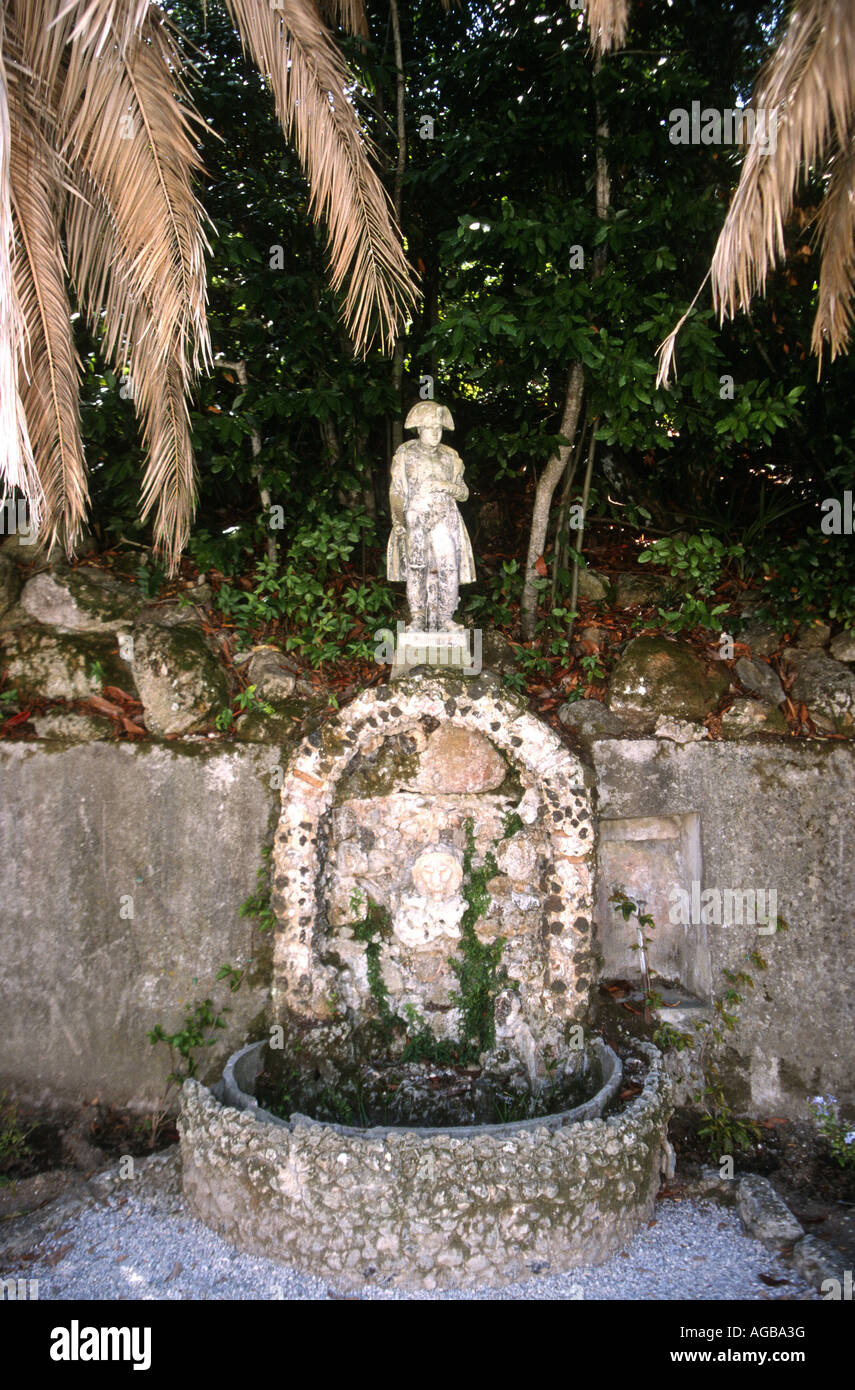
pixel 607 22
pixel 809 87
pixel 17 466
pixel 836 227
pixel 295 54
pixel 50 366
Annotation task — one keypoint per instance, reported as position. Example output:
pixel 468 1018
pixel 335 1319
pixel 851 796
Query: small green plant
pixel 699 561
pixel 249 700
pixel 197 1032
pixel 233 974
pixel 811 577
pixel 497 606
pixel 150 579
pixel 629 907
pixel 511 824
pixel 368 928
pixel 593 668
pixel 257 905
pixel 480 973
pixel 13 1139
pixel 8 701
pixel 245 701
pixel 839 1135
pixel 95 672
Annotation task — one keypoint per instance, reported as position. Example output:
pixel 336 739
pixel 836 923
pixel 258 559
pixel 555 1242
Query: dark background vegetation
pixel 491 207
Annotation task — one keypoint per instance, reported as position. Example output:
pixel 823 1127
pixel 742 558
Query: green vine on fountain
pixel 477 967
pixel 479 971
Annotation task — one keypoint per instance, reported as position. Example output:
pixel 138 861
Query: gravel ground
pixel 147 1247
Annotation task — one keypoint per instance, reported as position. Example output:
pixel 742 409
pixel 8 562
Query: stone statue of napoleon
pixel 429 547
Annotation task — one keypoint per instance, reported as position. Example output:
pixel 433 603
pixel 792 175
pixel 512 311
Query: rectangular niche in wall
pixel 648 857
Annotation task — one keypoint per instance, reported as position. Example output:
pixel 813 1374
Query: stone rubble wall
pixel 424 1210
pixel 481 731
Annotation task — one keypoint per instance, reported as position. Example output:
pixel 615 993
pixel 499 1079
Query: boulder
pixel 81 600
pixel 745 718
pixel 632 589
pixel 764 1214
pixel 271 673
pixel 843 646
pixel 813 635
pixel 10 583
pixel 760 679
pixel 818 1263
pixel 23 549
pixel 760 637
pixel 181 684
pixel 826 686
pixel 590 719
pixel 284 726
pixel 48 665
pixel 497 653
pixel 592 586
pixel 656 676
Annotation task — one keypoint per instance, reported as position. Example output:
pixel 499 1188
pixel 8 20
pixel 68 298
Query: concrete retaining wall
pixel 173 833
pixel 124 868
pixel 782 817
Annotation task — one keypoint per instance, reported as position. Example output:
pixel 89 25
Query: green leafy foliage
pixel 812 577
pixel 838 1133
pixel 13 1138
pixel 479 971
pixel 198 1030
pixel 257 905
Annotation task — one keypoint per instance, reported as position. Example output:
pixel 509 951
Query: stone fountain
pixel 431 1106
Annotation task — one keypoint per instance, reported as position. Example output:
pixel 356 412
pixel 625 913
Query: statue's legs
pixel 417 596
pixel 444 581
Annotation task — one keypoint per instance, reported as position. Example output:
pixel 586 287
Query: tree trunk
pixel 271 544
pixel 547 483
pixel 398 203
pixel 586 492
pixel 554 470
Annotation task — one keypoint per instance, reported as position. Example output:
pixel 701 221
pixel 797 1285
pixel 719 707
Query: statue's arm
pixel 398 491
pixel 459 490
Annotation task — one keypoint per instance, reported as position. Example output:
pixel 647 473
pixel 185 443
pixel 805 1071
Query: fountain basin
pixel 424 1208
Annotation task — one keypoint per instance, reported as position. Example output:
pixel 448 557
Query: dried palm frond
pixel 808 89
pixel 295 54
pixel 134 140
pixel 17 467
pixel 350 14
pixel 99 157
pixel 49 374
pixel 169 483
pixel 607 22
pixel 667 348
pixel 106 278
pixel 836 229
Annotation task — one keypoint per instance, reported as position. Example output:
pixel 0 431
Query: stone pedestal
pixel 451 651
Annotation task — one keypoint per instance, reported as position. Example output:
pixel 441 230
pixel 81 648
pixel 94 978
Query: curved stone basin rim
pixel 244 1066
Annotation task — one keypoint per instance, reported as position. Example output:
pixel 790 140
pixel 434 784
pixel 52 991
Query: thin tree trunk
pixel 547 483
pixel 554 469
pixel 398 203
pixel 586 490
pixel 271 544
pixel 561 530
